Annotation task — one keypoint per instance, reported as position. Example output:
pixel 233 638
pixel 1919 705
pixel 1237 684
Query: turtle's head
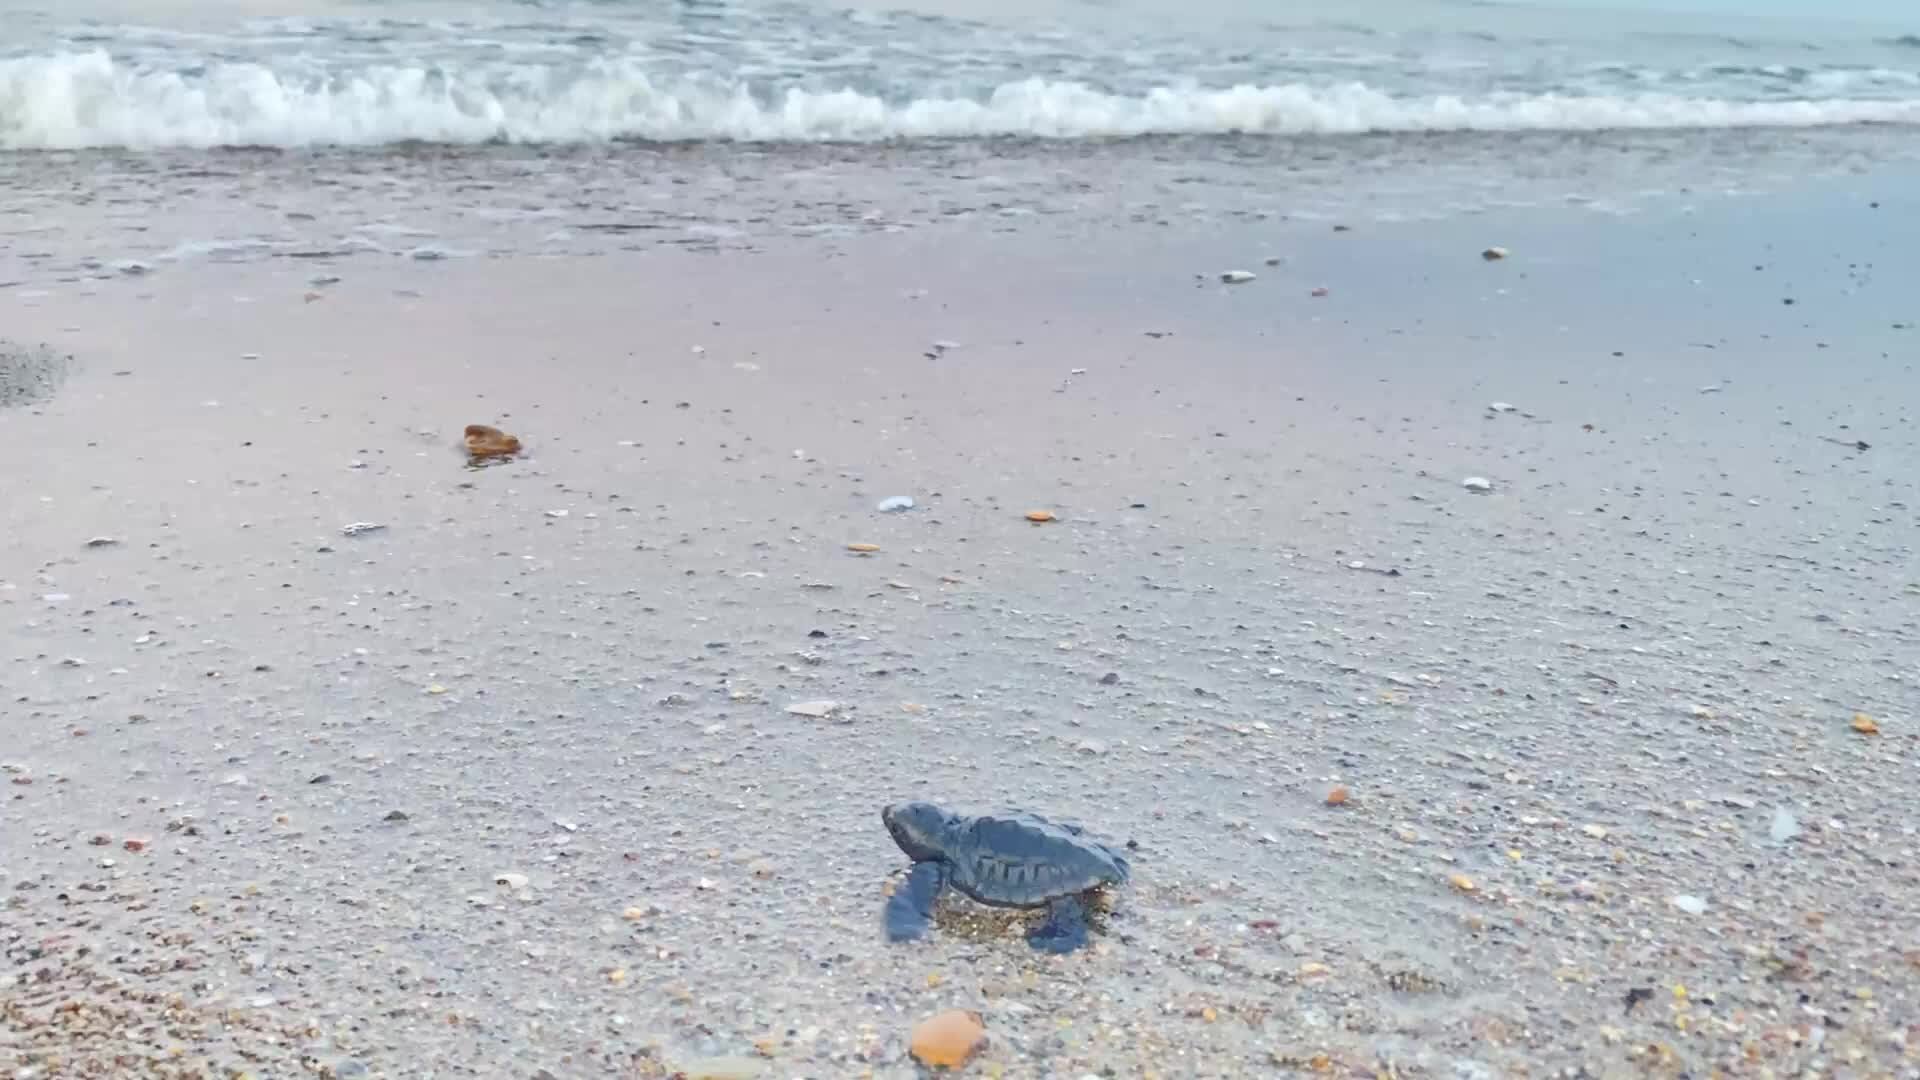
pixel 919 828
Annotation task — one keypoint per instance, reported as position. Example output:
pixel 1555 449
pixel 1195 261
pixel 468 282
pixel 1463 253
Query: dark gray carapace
pixel 1015 860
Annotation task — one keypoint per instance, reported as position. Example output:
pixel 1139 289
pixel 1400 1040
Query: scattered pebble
pixel 893 504
pixel 102 541
pixel 1785 825
pixel 1494 254
pixel 1479 485
pixel 948 1039
pixel 1338 797
pixel 1237 277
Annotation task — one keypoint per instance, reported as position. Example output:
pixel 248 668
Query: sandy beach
pixel 509 786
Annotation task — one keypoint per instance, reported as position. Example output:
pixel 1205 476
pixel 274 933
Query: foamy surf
pixel 74 100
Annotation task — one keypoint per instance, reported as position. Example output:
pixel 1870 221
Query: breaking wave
pixel 74 100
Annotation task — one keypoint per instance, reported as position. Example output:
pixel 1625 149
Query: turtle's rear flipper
pixel 910 910
pixel 1065 929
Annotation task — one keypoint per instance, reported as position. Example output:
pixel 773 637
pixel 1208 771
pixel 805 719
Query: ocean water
pixel 234 128
pixel 331 72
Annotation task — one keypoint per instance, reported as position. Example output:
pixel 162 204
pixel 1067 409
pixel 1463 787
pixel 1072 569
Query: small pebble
pixel 948 1039
pixel 1785 825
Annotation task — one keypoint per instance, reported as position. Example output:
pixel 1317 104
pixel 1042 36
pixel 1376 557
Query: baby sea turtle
pixel 1013 860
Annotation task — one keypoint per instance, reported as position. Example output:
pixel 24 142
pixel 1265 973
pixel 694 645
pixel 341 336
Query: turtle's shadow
pixel 957 915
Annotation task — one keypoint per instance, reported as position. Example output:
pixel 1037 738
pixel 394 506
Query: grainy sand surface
pixel 508 787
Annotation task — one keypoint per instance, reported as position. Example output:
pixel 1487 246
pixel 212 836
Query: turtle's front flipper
pixel 910 910
pixel 1065 929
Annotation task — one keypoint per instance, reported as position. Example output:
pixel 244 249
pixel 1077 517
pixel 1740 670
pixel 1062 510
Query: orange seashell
pixel 490 442
pixel 1040 515
pixel 863 549
pixel 1337 797
pixel 1864 724
pixel 949 1039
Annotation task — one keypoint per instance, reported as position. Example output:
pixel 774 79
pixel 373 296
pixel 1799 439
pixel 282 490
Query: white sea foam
pixel 87 99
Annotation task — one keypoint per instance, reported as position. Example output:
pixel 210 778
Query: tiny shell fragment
pixel 1463 883
pixel 949 1039
pixel 485 442
pixel 1040 515
pixel 1864 724
pixel 863 549
pixel 1337 797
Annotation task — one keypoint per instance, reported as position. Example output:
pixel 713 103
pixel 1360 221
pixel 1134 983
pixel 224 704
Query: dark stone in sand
pixel 30 374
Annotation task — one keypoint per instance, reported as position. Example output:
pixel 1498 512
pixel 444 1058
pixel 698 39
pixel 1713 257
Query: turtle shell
pixel 1024 860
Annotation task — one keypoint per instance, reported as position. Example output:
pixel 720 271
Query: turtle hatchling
pixel 1012 860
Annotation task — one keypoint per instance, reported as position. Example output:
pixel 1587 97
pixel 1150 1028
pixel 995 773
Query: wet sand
pixel 508 787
